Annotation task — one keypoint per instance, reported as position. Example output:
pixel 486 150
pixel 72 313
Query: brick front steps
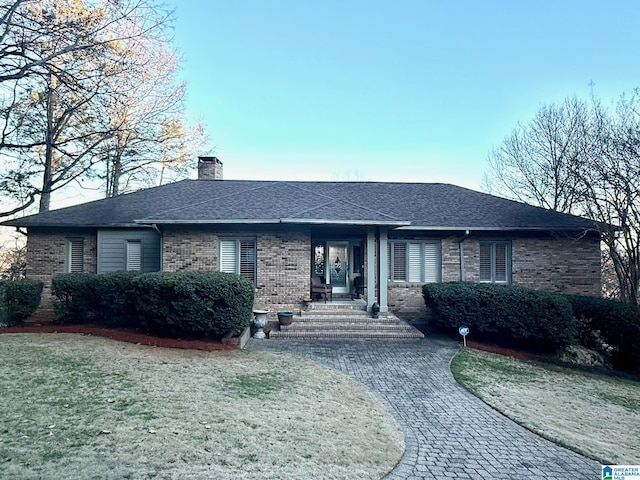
pixel 344 319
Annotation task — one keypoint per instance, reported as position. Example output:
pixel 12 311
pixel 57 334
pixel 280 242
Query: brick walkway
pixel 449 432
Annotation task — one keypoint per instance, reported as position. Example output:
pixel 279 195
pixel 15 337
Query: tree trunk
pixel 47 177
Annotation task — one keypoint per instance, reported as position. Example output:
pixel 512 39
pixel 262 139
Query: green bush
pixel 610 327
pixel 4 310
pixel 502 314
pixel 194 304
pixel 75 297
pixel 114 304
pixel 20 299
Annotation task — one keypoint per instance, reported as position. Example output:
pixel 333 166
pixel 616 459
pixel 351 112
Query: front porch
pixel 353 261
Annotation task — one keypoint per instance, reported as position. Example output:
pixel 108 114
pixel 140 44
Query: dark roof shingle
pixel 412 205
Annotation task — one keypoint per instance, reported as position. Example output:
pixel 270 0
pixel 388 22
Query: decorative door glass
pixel 338 264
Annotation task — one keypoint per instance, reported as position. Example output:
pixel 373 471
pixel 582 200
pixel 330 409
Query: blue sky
pixel 404 90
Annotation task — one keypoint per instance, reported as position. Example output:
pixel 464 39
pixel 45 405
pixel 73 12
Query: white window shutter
pixel 76 255
pixel 228 256
pixel 415 263
pixel 134 255
pixel 431 262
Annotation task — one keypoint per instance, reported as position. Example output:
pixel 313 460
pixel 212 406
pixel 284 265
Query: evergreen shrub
pixel 610 327
pixel 75 297
pixel 21 299
pixel 193 304
pixel 502 314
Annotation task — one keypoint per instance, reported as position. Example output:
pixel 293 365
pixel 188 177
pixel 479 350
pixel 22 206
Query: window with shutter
pixel 75 255
pixel 399 262
pixel 500 263
pixel 228 256
pixel 431 262
pixel 238 256
pixel 134 255
pixel 416 262
pixel 248 260
pixel 485 262
pixel 495 262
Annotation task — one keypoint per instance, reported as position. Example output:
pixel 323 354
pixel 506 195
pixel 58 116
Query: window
pixel 134 255
pixel 495 262
pixel 75 255
pixel 238 256
pixel 415 262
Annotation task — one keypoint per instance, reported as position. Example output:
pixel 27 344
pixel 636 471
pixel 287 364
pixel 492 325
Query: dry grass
pixel 596 415
pixel 87 407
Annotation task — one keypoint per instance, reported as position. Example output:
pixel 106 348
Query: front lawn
pixel 79 407
pixel 597 415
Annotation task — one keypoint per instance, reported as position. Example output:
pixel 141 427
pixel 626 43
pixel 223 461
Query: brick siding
pixel 47 256
pixel 552 263
pixel 283 269
pixel 545 262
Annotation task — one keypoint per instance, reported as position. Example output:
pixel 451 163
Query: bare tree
pixel 536 163
pixel 13 258
pixel 584 159
pixel 611 180
pixel 151 137
pixel 58 62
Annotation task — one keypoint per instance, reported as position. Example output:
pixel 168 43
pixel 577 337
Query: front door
pixel 338 266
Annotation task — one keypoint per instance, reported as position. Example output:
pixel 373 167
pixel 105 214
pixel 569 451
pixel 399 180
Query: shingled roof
pixel 433 206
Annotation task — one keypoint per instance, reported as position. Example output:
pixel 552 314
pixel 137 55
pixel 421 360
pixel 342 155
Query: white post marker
pixel 464 331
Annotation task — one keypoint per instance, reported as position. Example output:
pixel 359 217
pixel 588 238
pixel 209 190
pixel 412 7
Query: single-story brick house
pixel 394 236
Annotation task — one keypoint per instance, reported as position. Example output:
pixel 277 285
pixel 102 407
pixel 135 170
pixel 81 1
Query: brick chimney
pixel 209 168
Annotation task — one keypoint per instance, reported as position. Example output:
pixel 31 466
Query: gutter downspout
pixel 461 250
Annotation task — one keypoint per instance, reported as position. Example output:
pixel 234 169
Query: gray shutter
pixel 248 259
pixel 400 262
pixel 228 256
pixel 485 262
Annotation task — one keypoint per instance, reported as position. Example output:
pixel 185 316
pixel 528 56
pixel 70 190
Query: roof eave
pixel 327 221
pixel 498 229
pixel 237 221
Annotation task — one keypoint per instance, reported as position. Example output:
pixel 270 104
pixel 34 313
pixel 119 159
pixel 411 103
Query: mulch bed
pixel 507 352
pixel 123 335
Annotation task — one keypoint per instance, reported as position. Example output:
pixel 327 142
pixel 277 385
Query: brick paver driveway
pixel 449 432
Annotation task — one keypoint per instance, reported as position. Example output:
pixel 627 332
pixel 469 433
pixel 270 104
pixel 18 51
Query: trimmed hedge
pixel 610 327
pixel 506 315
pixel 194 304
pixel 19 299
pixel 208 304
pixel 75 297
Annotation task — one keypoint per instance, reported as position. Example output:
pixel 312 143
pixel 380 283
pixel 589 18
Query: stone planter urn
pixel 260 321
pixel 285 318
